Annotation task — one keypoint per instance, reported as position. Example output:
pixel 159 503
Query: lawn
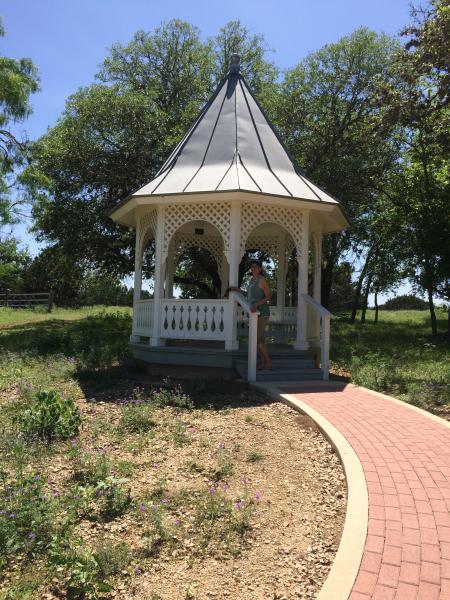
pixel 397 355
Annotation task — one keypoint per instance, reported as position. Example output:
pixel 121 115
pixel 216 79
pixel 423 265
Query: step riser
pixel 288 377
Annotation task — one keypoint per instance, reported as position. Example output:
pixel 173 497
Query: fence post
pixel 7 296
pixel 50 302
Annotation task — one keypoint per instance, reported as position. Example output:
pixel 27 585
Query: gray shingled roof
pixel 232 146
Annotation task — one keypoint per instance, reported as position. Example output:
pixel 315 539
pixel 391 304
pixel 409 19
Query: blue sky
pixel 68 39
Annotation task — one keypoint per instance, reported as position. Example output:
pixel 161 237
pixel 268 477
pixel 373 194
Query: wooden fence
pixel 28 300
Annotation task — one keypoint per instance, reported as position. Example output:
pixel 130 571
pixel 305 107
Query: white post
pixel 158 290
pixel 234 257
pixel 317 279
pixel 317 267
pixel 137 280
pixel 302 285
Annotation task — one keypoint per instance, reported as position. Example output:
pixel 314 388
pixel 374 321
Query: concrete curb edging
pixel 345 567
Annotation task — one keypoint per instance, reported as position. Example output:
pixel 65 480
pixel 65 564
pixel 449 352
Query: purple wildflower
pixel 31 536
pixel 177 522
pixel 238 505
pixel 257 496
pixel 164 501
pixel 212 490
pixel 141 506
pixel 221 445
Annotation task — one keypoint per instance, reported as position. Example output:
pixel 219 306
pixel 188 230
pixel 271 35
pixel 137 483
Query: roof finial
pixel 235 61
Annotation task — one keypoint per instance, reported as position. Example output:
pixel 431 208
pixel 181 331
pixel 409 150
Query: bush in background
pixel 407 302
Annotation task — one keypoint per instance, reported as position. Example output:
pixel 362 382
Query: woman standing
pixel 258 295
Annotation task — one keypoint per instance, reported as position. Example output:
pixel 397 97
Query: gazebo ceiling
pixel 232 147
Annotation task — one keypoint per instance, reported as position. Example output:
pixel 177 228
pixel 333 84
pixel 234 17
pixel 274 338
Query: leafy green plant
pixel 89 465
pixel 137 418
pixel 255 456
pixel 76 572
pixel 112 498
pixel 225 467
pixel 27 516
pixel 111 558
pixel 171 396
pixel 157 533
pixel 51 416
pixel 373 371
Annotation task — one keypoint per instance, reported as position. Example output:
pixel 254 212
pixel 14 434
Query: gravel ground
pixel 298 521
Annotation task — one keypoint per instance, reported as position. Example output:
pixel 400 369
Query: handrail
pixel 325 333
pixel 252 333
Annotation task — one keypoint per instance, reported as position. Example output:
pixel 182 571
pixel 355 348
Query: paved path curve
pixel 405 455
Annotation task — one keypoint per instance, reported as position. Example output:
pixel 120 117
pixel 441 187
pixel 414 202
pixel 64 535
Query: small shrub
pixel 75 571
pixel 27 516
pixel 53 342
pixel 224 467
pixel 373 371
pixel 254 456
pixel 136 418
pixel 171 397
pixel 429 393
pixel 89 466
pixel 178 432
pixel 111 558
pixel 157 534
pixel 112 499
pixel 51 417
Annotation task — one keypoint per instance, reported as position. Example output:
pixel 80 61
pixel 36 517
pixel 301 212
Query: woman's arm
pixel 267 294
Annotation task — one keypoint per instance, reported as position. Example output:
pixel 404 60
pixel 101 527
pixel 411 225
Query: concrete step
pixel 289 375
pixel 283 363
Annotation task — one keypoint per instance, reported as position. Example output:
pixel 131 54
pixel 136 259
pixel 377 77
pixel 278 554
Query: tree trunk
pixel 376 306
pixel 366 299
pixel 331 256
pixel 362 276
pixel 432 312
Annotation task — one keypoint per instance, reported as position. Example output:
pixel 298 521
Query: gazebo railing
pixel 324 332
pixel 195 319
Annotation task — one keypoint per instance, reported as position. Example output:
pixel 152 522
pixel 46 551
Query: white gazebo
pixel 230 185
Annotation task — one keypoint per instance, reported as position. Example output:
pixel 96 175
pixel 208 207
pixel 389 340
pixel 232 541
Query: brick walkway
pixel 406 462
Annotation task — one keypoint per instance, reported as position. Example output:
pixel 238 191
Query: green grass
pixel 396 355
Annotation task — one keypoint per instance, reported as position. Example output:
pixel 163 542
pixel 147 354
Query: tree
pixel 114 135
pixel 420 100
pixel 18 80
pixel 13 264
pixel 328 119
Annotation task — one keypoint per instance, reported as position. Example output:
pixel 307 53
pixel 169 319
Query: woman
pixel 258 295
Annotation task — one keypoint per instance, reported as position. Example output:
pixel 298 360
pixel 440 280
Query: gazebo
pixel 229 186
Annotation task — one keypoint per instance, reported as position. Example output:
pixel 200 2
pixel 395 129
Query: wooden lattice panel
pixel 147 227
pixel 183 241
pixel 253 215
pixel 218 214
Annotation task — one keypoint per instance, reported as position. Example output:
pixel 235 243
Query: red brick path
pixel 406 461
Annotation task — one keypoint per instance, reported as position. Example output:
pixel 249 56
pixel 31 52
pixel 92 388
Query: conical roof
pixel 232 147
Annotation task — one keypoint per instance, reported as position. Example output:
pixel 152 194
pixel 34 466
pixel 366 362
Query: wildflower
pixel 31 536
pixel 212 490
pixel 238 505
pixel 141 506
pixel 226 487
pixel 221 445
pixel 12 516
pixel 257 496
pixel 164 501
pixel 177 522
pixel 37 478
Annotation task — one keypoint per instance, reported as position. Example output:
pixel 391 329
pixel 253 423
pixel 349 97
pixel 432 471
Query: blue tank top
pixel 255 294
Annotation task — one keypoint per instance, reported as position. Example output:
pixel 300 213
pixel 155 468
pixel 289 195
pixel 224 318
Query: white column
pixel 234 258
pixel 158 289
pixel 317 285
pixel 302 285
pixel 137 280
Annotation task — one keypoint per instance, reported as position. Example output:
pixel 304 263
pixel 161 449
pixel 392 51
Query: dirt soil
pixel 300 501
